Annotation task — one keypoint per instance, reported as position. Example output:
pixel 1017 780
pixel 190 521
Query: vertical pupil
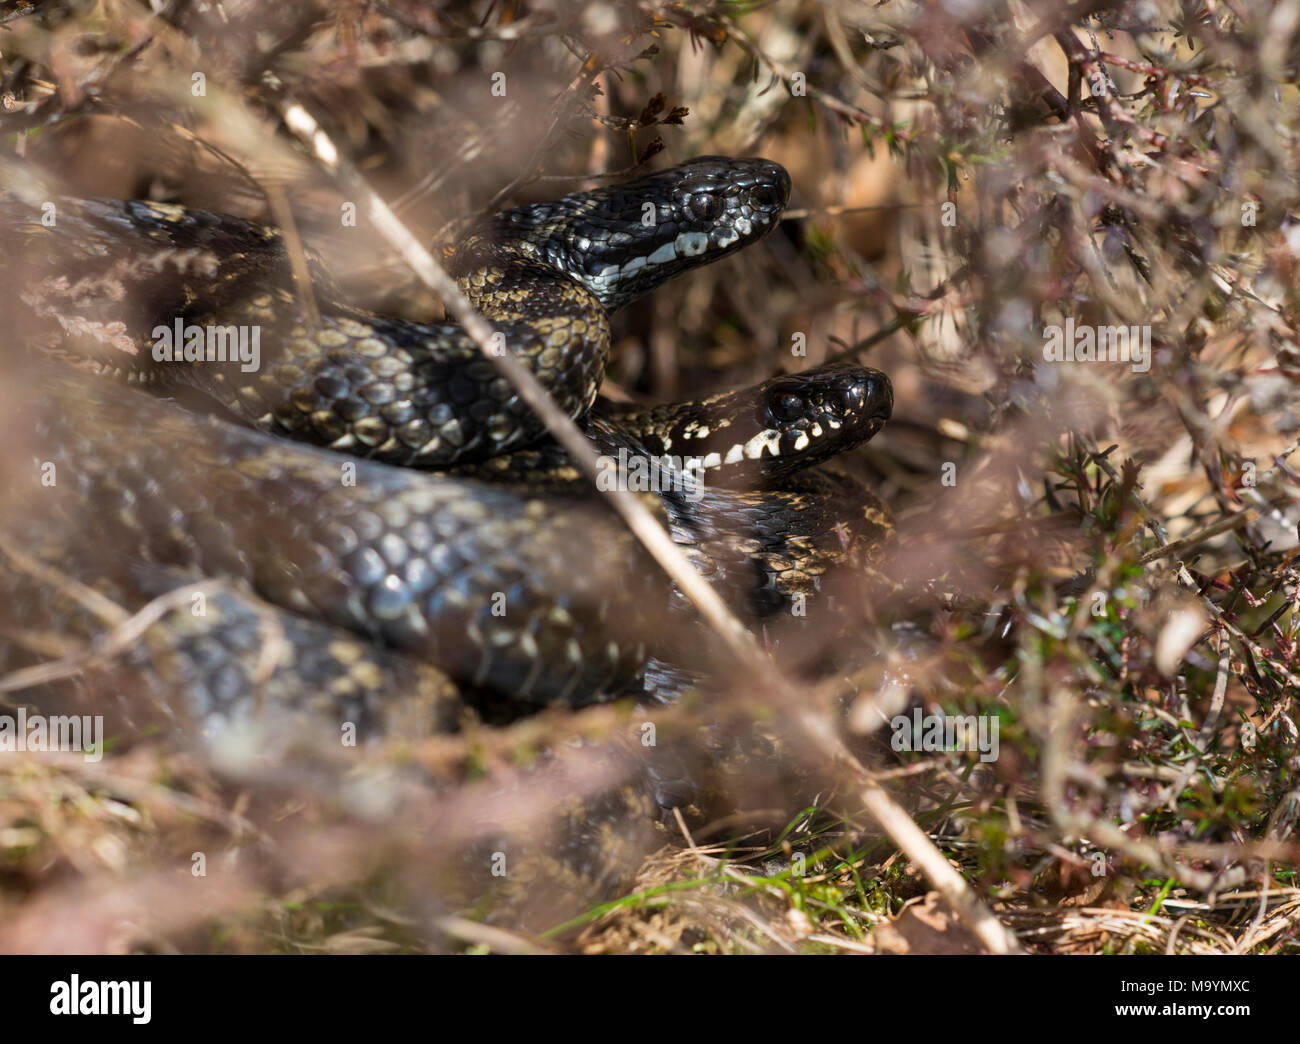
pixel 704 205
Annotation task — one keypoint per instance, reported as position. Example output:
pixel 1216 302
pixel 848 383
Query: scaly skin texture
pixel 217 659
pixel 477 579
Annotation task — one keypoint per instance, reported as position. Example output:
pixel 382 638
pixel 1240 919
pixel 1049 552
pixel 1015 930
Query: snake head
pixel 621 241
pixel 754 436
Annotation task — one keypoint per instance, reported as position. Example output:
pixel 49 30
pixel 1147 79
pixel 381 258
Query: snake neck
pixel 569 321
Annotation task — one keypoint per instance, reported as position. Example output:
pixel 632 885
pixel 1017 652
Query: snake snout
pixel 769 186
pixel 764 187
pixel 877 395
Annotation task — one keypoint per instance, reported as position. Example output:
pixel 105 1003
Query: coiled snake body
pixel 500 569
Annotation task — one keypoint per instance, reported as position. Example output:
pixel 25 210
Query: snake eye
pixel 785 407
pixel 703 206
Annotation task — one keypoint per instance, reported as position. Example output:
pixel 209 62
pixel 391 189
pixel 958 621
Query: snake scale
pixel 372 492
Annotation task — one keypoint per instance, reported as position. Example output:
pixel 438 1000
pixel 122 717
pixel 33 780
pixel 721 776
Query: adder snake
pixel 432 525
